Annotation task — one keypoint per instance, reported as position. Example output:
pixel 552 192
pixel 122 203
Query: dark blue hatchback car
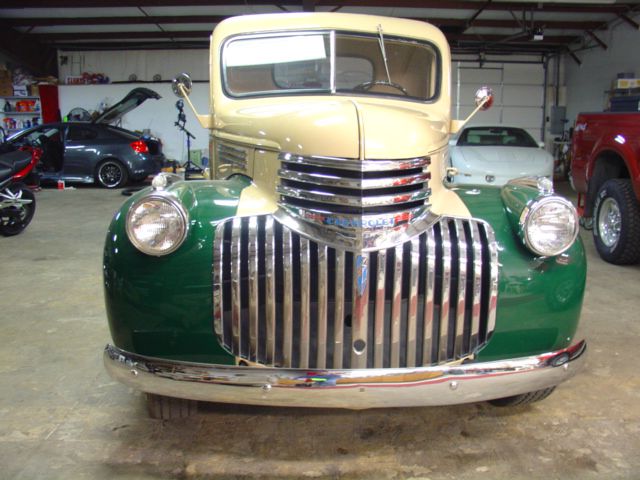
pixel 95 151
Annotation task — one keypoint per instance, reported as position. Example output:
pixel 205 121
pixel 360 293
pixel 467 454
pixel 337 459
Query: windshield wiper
pixel 383 51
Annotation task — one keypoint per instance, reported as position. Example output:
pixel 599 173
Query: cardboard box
pixel 20 91
pixel 6 90
pixel 33 90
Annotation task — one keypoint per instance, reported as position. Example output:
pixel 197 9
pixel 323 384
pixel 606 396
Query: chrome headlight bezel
pixel 528 214
pixel 182 215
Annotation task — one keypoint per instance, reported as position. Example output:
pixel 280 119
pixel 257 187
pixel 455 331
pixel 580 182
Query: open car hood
pixel 132 100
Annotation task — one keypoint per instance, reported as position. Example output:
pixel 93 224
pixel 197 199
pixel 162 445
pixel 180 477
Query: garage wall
pixel 143 64
pixel 588 84
pixel 156 116
pixel 518 90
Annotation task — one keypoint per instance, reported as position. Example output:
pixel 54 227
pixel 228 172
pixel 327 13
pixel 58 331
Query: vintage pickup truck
pixel 605 170
pixel 327 263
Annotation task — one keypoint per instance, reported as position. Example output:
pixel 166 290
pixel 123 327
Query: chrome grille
pixel 283 300
pixel 357 190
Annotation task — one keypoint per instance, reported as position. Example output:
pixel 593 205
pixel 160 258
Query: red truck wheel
pixel 616 223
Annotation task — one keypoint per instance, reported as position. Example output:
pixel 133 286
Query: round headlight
pixel 549 225
pixel 156 225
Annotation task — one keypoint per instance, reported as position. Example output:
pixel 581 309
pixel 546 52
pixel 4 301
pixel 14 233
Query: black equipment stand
pixel 190 168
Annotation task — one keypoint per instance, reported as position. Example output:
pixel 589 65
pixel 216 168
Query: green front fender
pixel 161 306
pixel 539 299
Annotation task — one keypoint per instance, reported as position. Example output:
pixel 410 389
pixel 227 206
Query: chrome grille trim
pixel 283 300
pixel 353 200
pixel 355 164
pixel 234 156
pixel 359 183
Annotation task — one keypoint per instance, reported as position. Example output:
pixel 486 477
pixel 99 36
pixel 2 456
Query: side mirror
pixel 484 98
pixel 452 142
pixel 541 144
pixel 182 85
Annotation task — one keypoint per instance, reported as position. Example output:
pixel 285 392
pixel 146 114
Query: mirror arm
pixel 203 120
pixel 456 125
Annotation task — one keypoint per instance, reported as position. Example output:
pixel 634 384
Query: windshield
pixel 329 62
pixel 496 137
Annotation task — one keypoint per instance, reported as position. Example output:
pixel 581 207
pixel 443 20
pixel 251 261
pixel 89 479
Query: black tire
pixel 111 174
pixel 13 225
pixel 523 398
pixel 616 223
pixel 169 408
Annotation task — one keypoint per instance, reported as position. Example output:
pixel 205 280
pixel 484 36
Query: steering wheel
pixel 366 86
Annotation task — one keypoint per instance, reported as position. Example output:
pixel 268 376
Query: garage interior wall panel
pixel 158 117
pixel 143 64
pixel 589 84
pixel 518 89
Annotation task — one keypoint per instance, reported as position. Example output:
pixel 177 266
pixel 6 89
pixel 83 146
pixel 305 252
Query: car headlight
pixel 549 225
pixel 157 225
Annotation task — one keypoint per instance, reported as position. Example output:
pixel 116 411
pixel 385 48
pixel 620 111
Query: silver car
pixel 95 151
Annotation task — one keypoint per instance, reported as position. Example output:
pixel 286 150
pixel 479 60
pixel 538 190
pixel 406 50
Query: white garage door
pixel 518 90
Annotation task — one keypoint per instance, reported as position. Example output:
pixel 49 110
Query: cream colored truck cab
pixel 346 87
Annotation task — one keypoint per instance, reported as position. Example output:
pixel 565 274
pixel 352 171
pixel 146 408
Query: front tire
pixel 616 223
pixel 21 215
pixel 523 398
pixel 170 408
pixel 111 174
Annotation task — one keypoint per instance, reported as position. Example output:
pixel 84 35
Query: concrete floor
pixel 62 417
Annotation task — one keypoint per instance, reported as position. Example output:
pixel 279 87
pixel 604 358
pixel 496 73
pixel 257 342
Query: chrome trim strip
pixel 305 286
pixel 493 289
pixel 270 290
pixel 446 292
pixel 338 319
pixel 477 286
pixel 324 179
pixel 450 384
pixel 287 310
pixel 378 335
pixel 253 289
pixel 462 289
pixel 412 318
pixel 218 312
pixel 427 346
pixel 360 311
pixel 321 357
pixel 356 164
pixel 353 201
pixel 236 288
pixel 396 307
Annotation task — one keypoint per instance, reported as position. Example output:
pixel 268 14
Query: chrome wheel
pixel 111 174
pixel 609 222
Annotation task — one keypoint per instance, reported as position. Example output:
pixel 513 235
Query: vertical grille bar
pixel 218 284
pixel 360 311
pixel 427 347
pixel 493 285
pixel 236 279
pixel 270 291
pixel 338 319
pixel 305 286
pixel 253 289
pixel 462 289
pixel 477 286
pixel 446 292
pixel 284 300
pixel 381 274
pixel 287 299
pixel 396 307
pixel 412 318
pixel 321 357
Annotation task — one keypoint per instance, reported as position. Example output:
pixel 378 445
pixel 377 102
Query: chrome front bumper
pixel 355 389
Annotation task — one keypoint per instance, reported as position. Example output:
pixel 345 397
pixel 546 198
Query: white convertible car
pixel 496 154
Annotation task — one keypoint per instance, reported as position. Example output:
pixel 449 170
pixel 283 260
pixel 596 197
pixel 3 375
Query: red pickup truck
pixel 605 171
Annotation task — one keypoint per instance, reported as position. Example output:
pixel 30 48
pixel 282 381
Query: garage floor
pixel 62 417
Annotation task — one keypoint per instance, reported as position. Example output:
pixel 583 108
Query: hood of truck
pixel 336 127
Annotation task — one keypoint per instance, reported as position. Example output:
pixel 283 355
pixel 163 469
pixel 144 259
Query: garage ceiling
pixel 34 29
